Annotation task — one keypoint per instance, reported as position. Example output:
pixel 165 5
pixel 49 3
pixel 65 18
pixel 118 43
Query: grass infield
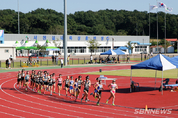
pixel 140 73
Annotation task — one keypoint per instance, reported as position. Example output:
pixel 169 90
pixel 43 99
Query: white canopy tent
pixel 159 62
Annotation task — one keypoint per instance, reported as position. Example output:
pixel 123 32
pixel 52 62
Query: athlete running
pixel 27 77
pixel 50 81
pixel 76 89
pixel 99 89
pixel 71 88
pixel 59 80
pixel 95 90
pixel 80 81
pixel 86 84
pixel 66 84
pixel 19 79
pixel 113 86
pixel 54 82
pixel 45 81
pixel 23 77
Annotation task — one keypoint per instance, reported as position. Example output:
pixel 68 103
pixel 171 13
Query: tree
pixel 93 45
pixel 41 47
pixel 130 46
pixel 153 43
pixel 162 42
pixel 57 43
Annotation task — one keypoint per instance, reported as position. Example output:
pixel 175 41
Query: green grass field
pixel 44 63
pixel 139 73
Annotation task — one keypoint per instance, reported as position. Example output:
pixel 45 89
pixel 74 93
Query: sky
pixel 73 6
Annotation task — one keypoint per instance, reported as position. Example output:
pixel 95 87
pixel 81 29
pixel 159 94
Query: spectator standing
pixel 62 63
pixel 118 61
pixel 37 59
pixel 68 59
pixel 56 60
pixel 95 60
pixel 128 59
pixel 53 58
pixel 145 56
pixel 91 59
pixel 100 59
pixel 151 54
pixel 9 63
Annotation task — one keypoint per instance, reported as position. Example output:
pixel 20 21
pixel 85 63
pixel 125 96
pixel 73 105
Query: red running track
pixel 15 102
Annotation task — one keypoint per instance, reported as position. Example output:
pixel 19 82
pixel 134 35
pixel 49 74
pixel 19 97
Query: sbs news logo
pixel 153 111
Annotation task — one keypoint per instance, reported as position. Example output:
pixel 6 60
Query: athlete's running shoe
pixel 107 102
pixel 91 93
pixel 98 104
pixel 26 89
pixel 113 104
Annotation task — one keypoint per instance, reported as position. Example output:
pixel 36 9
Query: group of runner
pixel 48 82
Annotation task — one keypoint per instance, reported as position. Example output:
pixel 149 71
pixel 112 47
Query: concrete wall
pixel 6 52
pixel 76 40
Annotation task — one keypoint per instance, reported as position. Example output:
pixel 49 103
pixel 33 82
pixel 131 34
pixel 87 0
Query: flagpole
pixel 149 19
pixel 157 25
pixel 165 34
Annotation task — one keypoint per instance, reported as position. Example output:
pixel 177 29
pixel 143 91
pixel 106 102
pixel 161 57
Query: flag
pixel 161 5
pixel 168 9
pixel 153 7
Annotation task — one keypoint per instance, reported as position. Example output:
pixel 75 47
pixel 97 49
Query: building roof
pixel 174 39
pixel 160 46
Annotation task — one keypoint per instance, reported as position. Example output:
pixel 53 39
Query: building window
pixel 140 48
pixel 6 51
pixel 76 49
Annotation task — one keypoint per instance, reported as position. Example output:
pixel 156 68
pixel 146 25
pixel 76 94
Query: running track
pixel 15 102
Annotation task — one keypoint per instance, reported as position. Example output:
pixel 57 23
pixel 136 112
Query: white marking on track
pixel 25 111
pixel 11 114
pixel 33 107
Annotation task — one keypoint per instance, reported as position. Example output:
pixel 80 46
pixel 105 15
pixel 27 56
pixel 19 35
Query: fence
pixel 75 61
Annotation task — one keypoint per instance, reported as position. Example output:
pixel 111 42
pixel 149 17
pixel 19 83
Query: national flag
pixel 153 7
pixel 161 5
pixel 168 9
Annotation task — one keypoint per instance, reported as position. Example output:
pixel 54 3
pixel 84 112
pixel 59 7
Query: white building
pixel 160 49
pixel 78 43
pixel 7 52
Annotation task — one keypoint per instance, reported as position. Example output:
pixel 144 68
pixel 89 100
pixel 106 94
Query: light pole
pixel 113 43
pixel 65 33
pixel 177 46
pixel 18 17
pixel 143 46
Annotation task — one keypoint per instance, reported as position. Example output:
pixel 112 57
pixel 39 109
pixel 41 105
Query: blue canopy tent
pixel 159 62
pixel 119 52
pixel 122 48
pixel 113 52
pixel 174 58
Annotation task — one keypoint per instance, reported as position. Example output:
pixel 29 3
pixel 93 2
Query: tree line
pixel 102 22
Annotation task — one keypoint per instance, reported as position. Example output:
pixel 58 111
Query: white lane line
pixel 11 114
pixel 48 105
pixel 25 111
pixel 58 107
pixel 32 107
pixel 75 106
pixel 84 108
pixel 103 107
pixel 89 105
